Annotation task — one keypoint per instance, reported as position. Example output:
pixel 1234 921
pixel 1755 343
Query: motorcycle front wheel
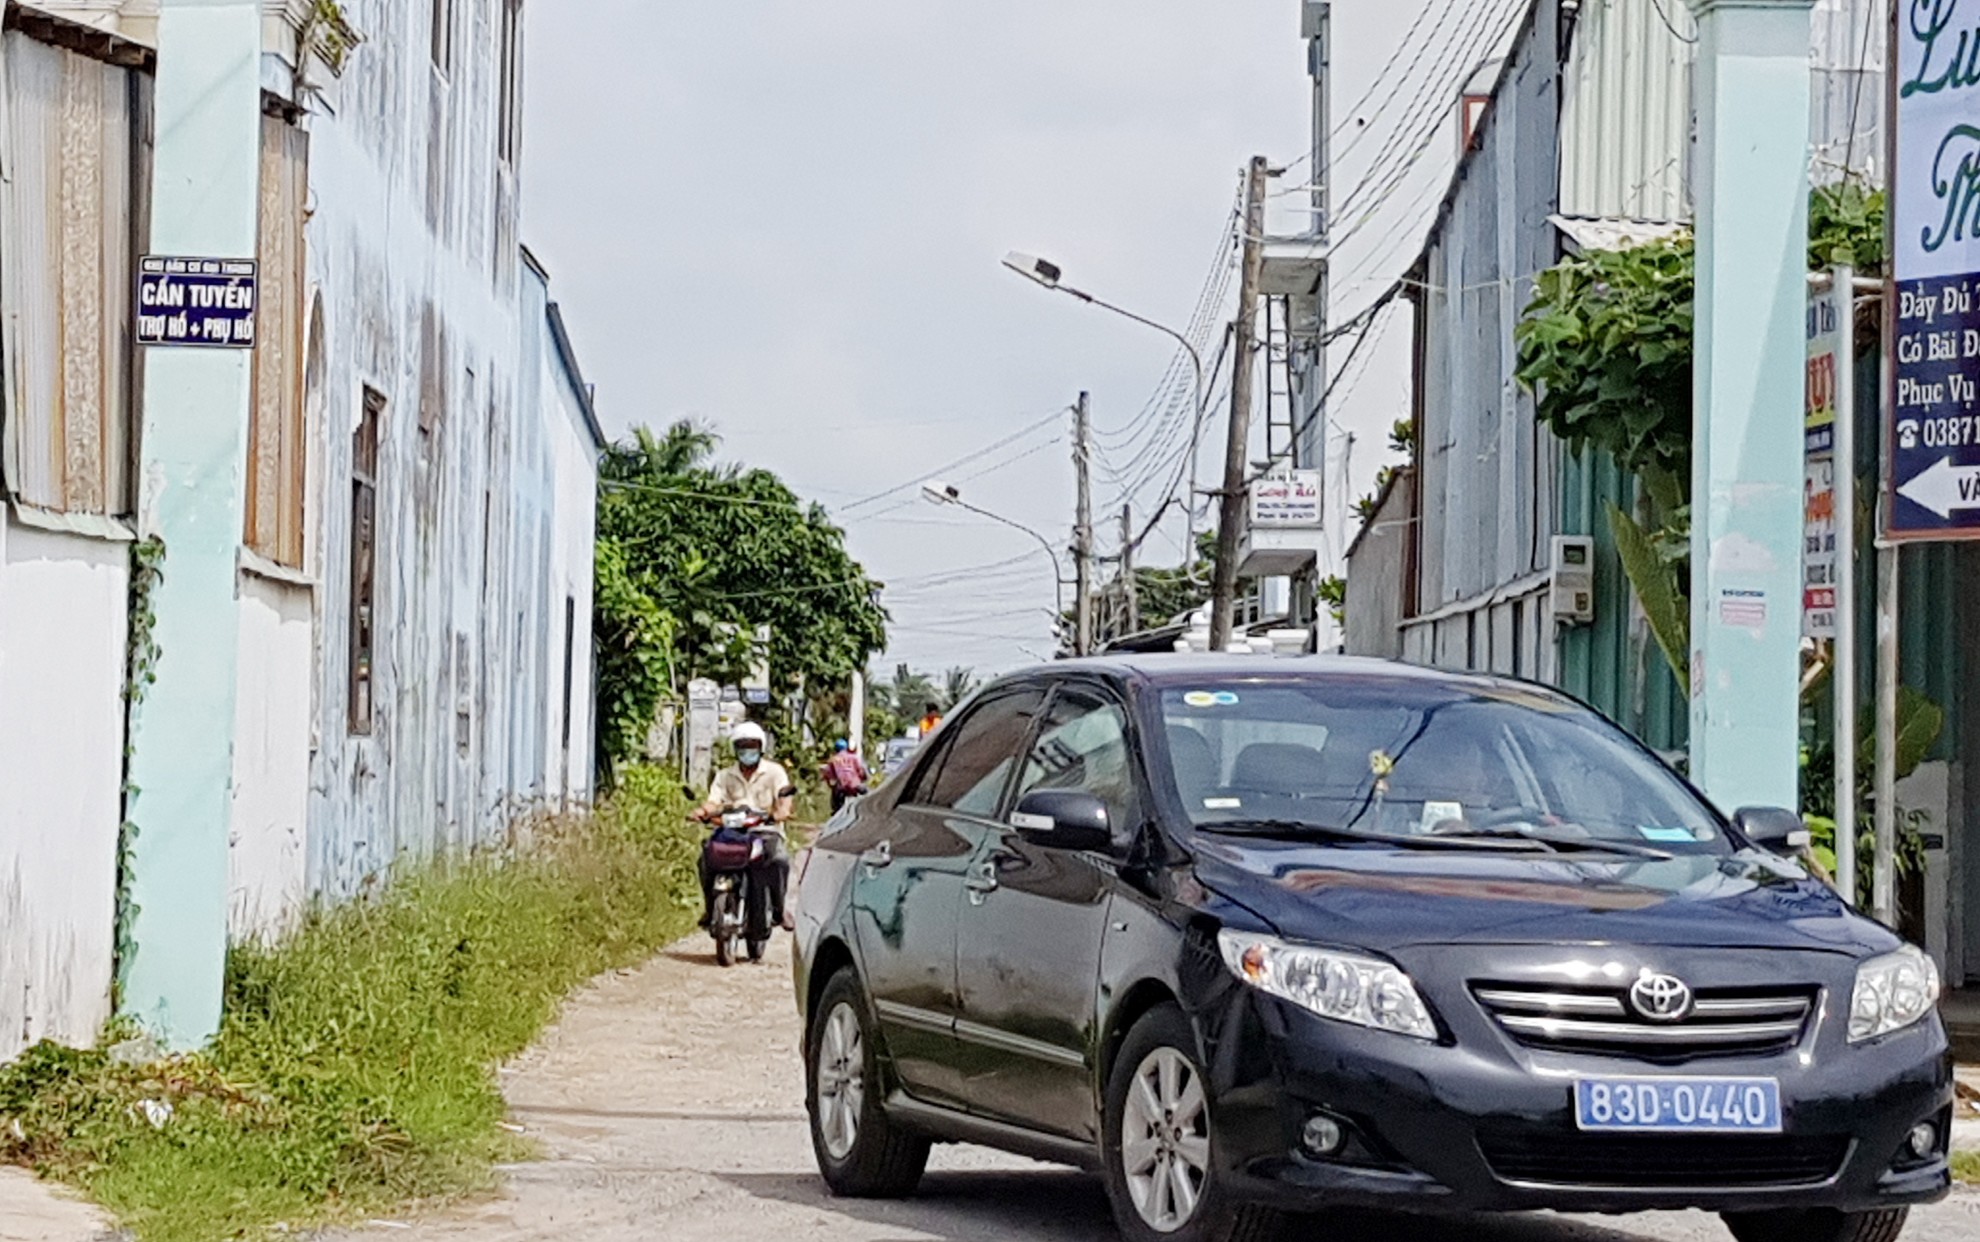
pixel 726 939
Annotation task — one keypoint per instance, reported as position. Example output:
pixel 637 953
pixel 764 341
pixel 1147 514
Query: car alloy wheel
pixel 861 1152
pixel 841 1079
pixel 1165 1140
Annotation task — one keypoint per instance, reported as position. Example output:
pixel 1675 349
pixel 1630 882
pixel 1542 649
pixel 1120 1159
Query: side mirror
pixel 1772 828
pixel 1064 819
pixel 788 791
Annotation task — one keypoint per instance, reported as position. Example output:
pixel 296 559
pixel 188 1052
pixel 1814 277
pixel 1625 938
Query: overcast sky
pixel 785 219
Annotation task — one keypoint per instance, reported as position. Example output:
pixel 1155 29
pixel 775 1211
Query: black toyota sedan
pixel 1252 936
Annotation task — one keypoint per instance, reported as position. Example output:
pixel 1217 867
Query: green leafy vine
pixel 141 656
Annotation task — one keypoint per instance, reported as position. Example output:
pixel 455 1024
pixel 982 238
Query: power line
pixel 959 462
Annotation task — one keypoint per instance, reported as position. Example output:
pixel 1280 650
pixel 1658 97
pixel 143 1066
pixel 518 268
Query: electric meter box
pixel 1574 578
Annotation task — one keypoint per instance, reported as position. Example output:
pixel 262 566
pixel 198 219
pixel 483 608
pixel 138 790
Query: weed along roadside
pixel 354 1070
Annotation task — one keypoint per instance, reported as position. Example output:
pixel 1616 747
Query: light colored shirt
pixel 758 791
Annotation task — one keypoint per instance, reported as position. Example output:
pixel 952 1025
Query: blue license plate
pixel 1664 1105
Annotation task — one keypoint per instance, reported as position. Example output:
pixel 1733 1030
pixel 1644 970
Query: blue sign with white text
pixel 1935 433
pixel 204 302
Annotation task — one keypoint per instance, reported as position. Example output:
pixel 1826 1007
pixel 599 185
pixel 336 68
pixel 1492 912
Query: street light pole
pixel 937 492
pixel 1048 274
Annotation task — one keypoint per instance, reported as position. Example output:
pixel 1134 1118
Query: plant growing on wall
pixel 1332 591
pixel 141 656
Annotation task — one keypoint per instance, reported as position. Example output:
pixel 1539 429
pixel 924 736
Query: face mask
pixel 749 757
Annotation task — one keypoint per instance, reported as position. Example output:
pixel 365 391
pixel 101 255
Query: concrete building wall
pixel 268 837
pixel 62 638
pixel 1376 567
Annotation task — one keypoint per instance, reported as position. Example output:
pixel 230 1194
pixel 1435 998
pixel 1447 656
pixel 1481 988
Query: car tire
pixel 1817 1225
pixel 861 1153
pixel 1158 1068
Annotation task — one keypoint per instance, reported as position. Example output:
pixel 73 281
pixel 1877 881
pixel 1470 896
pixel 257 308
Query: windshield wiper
pixel 1291 829
pixel 1628 849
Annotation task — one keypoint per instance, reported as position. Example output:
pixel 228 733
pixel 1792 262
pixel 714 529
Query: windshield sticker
pixel 1211 698
pixel 1669 835
pixel 1223 804
pixel 1435 813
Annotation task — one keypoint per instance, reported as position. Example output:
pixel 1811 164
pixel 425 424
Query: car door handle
pixel 981 882
pixel 879 857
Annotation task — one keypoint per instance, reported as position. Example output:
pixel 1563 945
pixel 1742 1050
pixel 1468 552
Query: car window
pixel 1083 745
pixel 977 755
pixel 1406 755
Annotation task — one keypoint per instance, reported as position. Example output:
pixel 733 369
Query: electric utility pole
pixel 1130 595
pixel 1230 520
pixel 1083 528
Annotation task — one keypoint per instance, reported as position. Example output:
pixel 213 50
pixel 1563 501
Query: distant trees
pixel 693 557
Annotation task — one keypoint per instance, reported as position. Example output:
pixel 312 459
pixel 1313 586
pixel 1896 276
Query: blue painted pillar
pixel 1752 191
pixel 204 198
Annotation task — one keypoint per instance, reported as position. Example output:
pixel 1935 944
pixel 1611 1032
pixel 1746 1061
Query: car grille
pixel 1664 1161
pixel 1721 1023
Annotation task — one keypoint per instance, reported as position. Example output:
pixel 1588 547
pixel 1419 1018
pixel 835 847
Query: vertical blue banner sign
pixel 1933 408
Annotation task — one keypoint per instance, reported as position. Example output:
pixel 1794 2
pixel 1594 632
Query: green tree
pixel 957 685
pixel 693 557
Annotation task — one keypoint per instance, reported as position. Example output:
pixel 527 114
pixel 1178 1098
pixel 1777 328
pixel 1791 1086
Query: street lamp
pixel 937 492
pixel 1050 275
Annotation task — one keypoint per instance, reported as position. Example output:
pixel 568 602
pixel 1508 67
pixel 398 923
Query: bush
pixel 354 1070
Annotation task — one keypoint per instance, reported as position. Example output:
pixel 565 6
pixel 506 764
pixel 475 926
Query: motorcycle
pixel 740 917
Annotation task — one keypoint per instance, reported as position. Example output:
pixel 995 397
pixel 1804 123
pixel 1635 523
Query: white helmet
pixel 749 731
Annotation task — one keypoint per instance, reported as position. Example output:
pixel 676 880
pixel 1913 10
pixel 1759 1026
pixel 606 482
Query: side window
pixel 1084 746
pixel 977 756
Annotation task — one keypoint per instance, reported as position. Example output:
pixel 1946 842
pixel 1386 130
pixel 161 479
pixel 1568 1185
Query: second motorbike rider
pixel 761 784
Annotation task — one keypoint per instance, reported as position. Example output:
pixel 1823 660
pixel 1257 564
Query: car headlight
pixel 1892 992
pixel 1341 986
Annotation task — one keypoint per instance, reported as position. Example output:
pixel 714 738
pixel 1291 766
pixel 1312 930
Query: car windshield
pixel 1402 756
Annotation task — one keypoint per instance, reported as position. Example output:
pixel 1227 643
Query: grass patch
pixel 1966 1167
pixel 354 1071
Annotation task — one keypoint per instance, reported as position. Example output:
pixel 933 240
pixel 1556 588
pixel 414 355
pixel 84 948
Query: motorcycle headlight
pixel 1342 987
pixel 1892 992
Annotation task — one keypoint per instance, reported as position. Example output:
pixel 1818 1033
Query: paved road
pixel 669 1105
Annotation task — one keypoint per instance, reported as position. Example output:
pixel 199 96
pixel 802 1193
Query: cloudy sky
pixel 785 219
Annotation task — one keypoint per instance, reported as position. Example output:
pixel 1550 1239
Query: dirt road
pixel 669 1103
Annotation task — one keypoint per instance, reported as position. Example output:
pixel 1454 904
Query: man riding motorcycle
pixel 759 784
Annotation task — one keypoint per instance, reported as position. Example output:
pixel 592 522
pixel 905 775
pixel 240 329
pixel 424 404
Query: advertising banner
pixel 1933 408
pixel 1818 548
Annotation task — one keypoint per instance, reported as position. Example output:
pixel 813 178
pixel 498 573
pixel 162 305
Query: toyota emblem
pixel 1661 998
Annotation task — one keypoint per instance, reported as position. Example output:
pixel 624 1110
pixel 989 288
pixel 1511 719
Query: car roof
pixel 1181 668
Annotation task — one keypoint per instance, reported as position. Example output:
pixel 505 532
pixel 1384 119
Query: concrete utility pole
pixel 1747 471
pixel 1130 595
pixel 1317 22
pixel 1237 450
pixel 1083 527
pixel 204 200
pixel 856 712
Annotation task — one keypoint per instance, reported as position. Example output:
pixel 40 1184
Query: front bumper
pixel 1478 1122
